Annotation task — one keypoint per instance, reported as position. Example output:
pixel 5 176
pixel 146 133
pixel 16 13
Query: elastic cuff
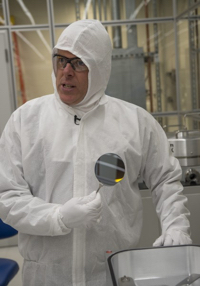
pixel 65 229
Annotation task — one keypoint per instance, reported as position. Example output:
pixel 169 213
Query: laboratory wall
pixel 155 53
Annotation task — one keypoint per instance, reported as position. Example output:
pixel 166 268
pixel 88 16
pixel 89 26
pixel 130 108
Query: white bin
pixel 158 266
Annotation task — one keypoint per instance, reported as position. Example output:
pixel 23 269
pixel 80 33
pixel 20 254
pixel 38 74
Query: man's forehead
pixel 67 54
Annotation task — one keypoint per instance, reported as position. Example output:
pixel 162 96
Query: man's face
pixel 71 85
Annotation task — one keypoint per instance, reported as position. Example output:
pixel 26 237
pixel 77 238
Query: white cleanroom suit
pixel 46 160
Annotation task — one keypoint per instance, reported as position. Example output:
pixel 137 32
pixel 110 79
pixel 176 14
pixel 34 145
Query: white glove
pixel 173 237
pixel 82 211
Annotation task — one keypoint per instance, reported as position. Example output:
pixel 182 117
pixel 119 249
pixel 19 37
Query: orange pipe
pixel 21 81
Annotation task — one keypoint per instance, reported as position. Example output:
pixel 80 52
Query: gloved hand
pixel 82 211
pixel 173 237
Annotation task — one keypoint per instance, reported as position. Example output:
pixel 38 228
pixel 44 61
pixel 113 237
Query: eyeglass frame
pixel 68 60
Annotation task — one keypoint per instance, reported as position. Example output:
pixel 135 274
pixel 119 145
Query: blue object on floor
pixel 8 267
pixel 6 230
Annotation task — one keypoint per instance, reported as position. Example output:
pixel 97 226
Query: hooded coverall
pixel 46 159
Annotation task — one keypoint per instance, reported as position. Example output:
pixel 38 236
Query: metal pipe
pixel 105 9
pixel 174 113
pixel 157 64
pixel 117 39
pixel 149 59
pixel 6 12
pixel 105 23
pixel 132 29
pixel 193 83
pixel 94 9
pixel 99 8
pixel 187 11
pixel 26 27
pixel 198 58
pixel 77 9
pixel 177 63
pixel 51 22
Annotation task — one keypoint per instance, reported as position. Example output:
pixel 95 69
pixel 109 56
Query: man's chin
pixel 69 100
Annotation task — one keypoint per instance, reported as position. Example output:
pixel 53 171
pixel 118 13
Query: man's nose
pixel 68 69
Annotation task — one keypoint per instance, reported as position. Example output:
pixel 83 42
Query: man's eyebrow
pixel 66 57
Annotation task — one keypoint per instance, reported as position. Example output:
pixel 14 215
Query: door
pixel 6 96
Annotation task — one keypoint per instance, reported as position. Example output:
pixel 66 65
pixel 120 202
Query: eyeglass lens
pixel 76 63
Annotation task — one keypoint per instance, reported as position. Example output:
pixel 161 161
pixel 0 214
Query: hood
pixel 88 40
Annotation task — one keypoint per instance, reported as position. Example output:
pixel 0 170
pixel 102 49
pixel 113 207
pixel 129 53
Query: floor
pixel 13 253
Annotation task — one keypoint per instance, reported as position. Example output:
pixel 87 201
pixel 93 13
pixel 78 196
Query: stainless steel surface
pixel 126 281
pixel 189 280
pixel 185 146
pixel 157 266
pixel 184 143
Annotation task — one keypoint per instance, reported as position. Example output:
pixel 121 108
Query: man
pixel 48 153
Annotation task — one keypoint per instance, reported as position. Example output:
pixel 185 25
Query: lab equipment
pixel 109 170
pixel 185 146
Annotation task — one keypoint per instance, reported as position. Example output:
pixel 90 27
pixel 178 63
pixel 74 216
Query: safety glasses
pixel 60 62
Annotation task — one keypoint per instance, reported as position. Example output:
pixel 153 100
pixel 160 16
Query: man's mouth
pixel 68 85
